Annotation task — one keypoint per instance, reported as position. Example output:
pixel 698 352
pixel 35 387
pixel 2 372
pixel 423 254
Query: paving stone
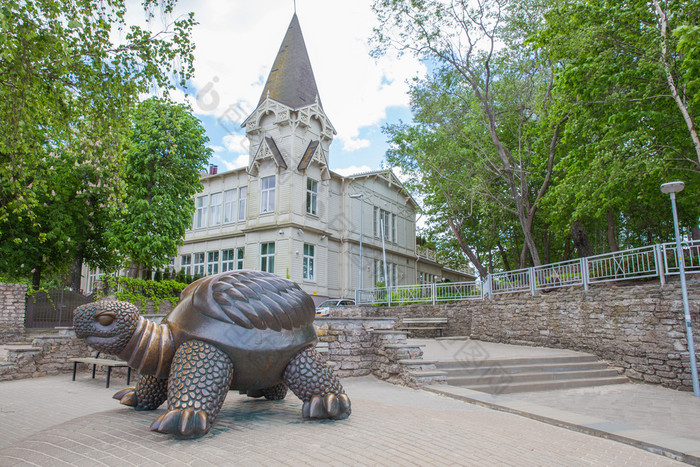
pixel 56 422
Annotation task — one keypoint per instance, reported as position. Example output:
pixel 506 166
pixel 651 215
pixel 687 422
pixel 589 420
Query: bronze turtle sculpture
pixel 249 331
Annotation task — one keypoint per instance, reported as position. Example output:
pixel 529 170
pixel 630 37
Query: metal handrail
pixel 636 263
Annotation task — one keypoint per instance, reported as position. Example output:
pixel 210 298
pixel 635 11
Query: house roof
pixel 389 176
pixel 291 80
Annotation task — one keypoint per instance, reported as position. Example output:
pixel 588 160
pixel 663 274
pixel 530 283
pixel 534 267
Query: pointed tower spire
pixel 291 80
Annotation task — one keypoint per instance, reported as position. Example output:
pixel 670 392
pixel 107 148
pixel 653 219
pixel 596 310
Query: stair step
pixel 490 368
pixel 468 364
pixel 425 373
pixel 540 377
pixel 547 386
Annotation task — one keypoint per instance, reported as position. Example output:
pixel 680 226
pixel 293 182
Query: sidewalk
pixel 646 416
pixel 55 421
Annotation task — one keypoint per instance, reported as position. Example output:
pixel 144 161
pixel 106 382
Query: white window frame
pixel 198 264
pixel 228 259
pixel 200 213
pixel 230 203
pixel 242 202
pixel 309 262
pixel 267 194
pixel 311 197
pixel 212 262
pixel 240 257
pixel 215 204
pixel 267 257
pixel 186 264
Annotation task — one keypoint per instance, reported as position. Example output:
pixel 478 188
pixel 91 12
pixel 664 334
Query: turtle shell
pixel 260 320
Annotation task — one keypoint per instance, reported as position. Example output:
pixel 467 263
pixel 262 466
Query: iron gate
pixel 53 309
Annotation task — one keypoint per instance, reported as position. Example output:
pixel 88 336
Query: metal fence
pixel 53 309
pixel 659 261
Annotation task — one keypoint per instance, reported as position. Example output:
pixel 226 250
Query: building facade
pixel 289 214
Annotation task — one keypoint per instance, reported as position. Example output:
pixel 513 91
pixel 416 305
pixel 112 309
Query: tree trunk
pixel 695 232
pixel 504 256
pixel 76 272
pixel 466 248
pixel 612 238
pixel 567 248
pixel 580 238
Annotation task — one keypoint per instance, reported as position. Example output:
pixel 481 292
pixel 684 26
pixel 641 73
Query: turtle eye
pixel 105 319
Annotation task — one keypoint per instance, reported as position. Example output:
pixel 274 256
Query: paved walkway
pixel 54 421
pixel 650 417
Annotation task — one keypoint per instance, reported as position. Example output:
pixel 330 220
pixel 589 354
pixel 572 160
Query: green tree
pixel 632 117
pixel 505 146
pixel 162 175
pixel 66 95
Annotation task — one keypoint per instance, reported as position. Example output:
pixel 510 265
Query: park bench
pixel 96 360
pixel 424 324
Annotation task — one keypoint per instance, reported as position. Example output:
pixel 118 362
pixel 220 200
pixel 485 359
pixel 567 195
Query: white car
pixel 324 308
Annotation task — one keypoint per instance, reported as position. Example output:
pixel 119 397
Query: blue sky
pixel 237 42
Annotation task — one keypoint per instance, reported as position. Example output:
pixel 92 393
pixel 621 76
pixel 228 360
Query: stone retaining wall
pixel 639 327
pixel 12 305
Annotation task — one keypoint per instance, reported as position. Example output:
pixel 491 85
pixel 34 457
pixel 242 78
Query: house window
pixel 199 264
pixel 240 254
pixel 230 206
pixel 394 275
pixel 311 196
pixel 384 221
pixel 215 209
pixel 309 259
pixel 376 221
pixel 212 262
pixel 228 260
pixel 200 215
pixel 170 267
pixel 267 194
pixel 93 276
pixel 186 264
pixel 267 257
pixel 242 194
pixel 379 272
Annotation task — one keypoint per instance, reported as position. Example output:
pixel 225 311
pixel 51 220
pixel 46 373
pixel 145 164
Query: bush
pixel 138 290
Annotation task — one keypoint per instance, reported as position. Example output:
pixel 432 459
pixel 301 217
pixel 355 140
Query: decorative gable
pixel 314 152
pixel 267 150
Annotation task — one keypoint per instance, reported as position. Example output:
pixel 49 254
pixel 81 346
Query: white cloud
pixel 353 170
pixel 355 144
pixel 236 143
pixel 237 43
pixel 229 164
pixel 217 148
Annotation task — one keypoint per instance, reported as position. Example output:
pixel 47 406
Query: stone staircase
pixel 513 375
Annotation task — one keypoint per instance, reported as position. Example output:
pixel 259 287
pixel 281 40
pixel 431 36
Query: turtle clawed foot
pixel 183 423
pixel 127 396
pixel 335 407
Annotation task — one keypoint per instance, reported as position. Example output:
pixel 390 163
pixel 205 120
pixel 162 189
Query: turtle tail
pixel 150 350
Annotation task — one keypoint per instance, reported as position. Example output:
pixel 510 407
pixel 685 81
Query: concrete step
pixel 497 367
pixel 508 362
pixel 499 378
pixel 9 349
pixel 547 386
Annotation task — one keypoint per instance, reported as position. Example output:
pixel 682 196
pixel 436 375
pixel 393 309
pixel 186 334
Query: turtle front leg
pixel 199 380
pixel 150 392
pixel 315 384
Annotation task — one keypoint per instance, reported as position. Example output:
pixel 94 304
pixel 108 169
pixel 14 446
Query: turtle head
pixel 106 326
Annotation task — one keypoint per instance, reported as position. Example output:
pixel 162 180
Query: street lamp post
pixel 672 188
pixel 359 196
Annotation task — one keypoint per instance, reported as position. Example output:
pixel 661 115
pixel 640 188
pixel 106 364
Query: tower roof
pixel 291 80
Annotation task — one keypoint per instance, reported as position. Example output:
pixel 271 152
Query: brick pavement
pixel 54 421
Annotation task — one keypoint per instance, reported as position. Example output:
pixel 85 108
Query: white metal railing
pixel 637 263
